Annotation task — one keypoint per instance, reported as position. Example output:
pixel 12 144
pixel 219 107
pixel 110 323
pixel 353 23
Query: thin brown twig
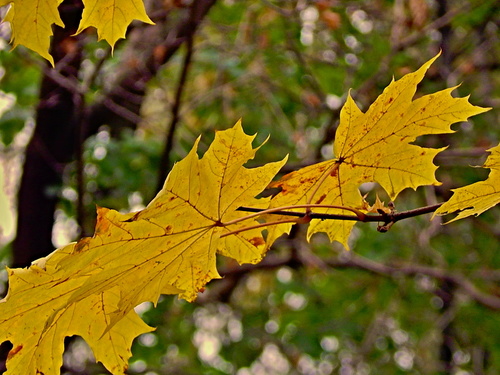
pixel 357 261
pixel 438 23
pixel 353 261
pixel 165 163
pixel 280 210
pixel 80 119
pixel 121 110
pixel 69 83
pixel 388 219
pixel 382 217
pixel 91 79
pixel 257 226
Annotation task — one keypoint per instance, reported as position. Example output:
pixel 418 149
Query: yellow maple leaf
pixel 31 23
pixel 35 318
pixel 90 288
pixel 31 20
pixel 375 146
pixel 378 207
pixel 298 187
pixel 112 17
pixel 476 198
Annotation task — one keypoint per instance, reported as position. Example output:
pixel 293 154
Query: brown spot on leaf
pixel 133 218
pixel 14 351
pixel 257 241
pixel 103 223
pixel 321 199
pixel 284 191
pixel 82 245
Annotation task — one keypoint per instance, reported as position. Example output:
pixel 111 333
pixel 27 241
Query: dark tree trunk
pixel 51 147
pixel 446 292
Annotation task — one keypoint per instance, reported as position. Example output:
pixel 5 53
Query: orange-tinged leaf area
pixel 298 187
pixel 476 198
pixel 31 20
pixel 375 146
pixel 90 288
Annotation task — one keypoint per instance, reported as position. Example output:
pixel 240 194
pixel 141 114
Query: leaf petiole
pixel 361 216
pixel 262 225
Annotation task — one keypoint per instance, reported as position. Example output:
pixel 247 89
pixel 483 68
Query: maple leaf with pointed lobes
pixel 31 20
pixel 112 17
pixel 375 146
pixel 31 23
pixel 35 317
pixel 298 187
pixel 478 197
pixel 90 288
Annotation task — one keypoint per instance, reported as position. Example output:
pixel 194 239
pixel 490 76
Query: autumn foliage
pixel 90 288
pixel 31 21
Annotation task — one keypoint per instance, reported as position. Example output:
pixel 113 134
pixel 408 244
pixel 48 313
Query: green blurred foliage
pixel 20 81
